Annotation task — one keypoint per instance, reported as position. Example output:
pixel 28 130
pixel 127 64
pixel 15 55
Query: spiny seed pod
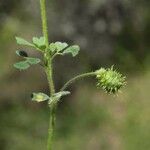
pixel 22 53
pixel 110 80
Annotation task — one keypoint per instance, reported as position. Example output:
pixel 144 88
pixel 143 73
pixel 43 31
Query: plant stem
pixel 52 107
pixel 49 73
pixel 51 127
pixel 44 21
pixel 77 78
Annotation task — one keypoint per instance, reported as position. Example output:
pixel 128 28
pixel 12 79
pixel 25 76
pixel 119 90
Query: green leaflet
pixel 33 61
pixel 22 65
pixel 74 50
pixel 60 46
pixel 39 97
pixel 39 42
pixel 22 41
pixel 52 47
pixel 63 48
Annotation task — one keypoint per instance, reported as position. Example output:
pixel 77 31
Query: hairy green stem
pixel 44 21
pixel 52 107
pixel 89 74
pixel 49 73
pixel 51 127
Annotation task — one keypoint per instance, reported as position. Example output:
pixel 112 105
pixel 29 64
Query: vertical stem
pixel 44 21
pixel 51 127
pixel 52 107
pixel 49 73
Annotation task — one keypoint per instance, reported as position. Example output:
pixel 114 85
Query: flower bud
pixel 110 80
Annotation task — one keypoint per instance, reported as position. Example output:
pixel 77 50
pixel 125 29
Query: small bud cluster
pixel 110 80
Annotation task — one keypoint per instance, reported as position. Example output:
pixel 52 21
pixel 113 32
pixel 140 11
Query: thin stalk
pixel 77 78
pixel 52 120
pixel 44 21
pixel 52 108
pixel 49 73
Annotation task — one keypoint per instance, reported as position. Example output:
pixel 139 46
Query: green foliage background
pixel 109 32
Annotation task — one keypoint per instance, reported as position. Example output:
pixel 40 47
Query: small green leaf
pixel 39 97
pixel 33 61
pixel 21 41
pixel 39 42
pixel 74 50
pixel 22 65
pixel 52 47
pixel 60 46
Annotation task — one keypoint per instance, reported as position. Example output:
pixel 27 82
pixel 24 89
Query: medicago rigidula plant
pixel 108 79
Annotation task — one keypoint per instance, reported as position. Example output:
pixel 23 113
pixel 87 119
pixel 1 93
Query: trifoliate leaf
pixel 39 97
pixel 22 53
pixel 74 50
pixel 21 41
pixel 22 65
pixel 39 42
pixel 60 46
pixel 33 61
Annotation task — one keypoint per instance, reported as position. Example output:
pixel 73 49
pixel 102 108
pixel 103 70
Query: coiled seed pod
pixel 110 80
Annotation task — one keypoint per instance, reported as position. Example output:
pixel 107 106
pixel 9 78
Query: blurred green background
pixel 108 32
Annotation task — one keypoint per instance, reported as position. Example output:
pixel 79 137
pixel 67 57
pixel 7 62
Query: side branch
pixel 77 78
